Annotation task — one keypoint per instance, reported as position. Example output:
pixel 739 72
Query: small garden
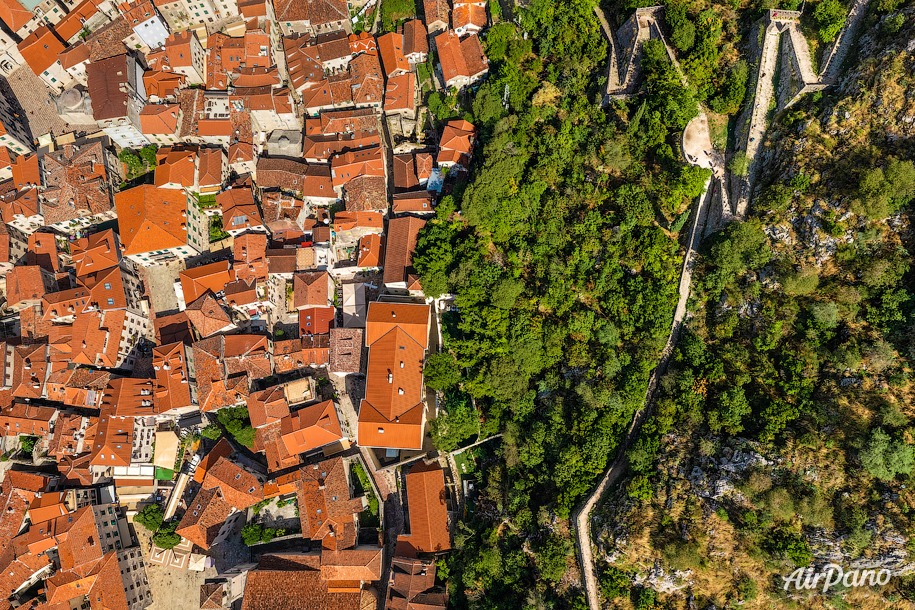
pixel 217 233
pixel 138 163
pixel 255 533
pixel 237 423
pixel 362 486
pixel 27 444
pixel 395 12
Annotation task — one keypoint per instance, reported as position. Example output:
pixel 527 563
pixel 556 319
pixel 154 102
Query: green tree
pixel 148 154
pixel 133 162
pixel 458 422
pixel 166 538
pixel 829 16
pixel 884 457
pixel 732 408
pixel 150 517
pixel 441 371
pixel 740 164
pixel 212 432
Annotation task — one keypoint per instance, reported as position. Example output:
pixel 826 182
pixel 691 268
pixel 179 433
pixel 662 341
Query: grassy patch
pixel 718 130
pixel 164 474
pixel 205 202
pixel 466 462
pixel 395 12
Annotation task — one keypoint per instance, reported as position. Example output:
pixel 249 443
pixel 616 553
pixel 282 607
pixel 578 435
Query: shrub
pixel 790 545
pixel 614 583
pixel 441 371
pixel 27 443
pixel 212 432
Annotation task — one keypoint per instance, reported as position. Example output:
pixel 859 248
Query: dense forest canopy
pixel 562 250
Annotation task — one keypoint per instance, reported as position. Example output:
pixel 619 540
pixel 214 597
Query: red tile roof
pixel 311 428
pixel 460 57
pixel 400 93
pixel 176 165
pixel 173 389
pixel 295 584
pixel 415 37
pixel 390 47
pixel 316 320
pixel 325 504
pixel 160 119
pixel 41 48
pixel 205 516
pixel 267 406
pixel 213 277
pixel 14 15
pixel 238 487
pixel 150 218
pixel 428 512
pixel 401 242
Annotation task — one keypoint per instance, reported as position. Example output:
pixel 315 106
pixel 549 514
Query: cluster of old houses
pixel 264 265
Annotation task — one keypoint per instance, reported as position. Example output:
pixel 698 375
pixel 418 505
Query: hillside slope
pixel 784 434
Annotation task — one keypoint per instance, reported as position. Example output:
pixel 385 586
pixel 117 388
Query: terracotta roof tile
pixel 460 58
pixel 469 15
pixel 384 317
pixel 371 251
pixel 390 48
pixel 419 202
pixel 413 586
pixel 176 165
pixel 415 38
pixel 213 277
pixel 401 242
pixel 97 252
pixel 428 512
pixel 436 10
pixel 205 516
pixel 41 48
pixel 358 564
pixel 14 15
pixel 316 320
pixel 173 389
pixel 150 218
pixel 238 487
pixel 267 406
pixel 325 504
pixel 160 119
pixel 312 289
pixel 364 193
pixel 346 350
pixel 293 587
pixel 207 316
pixel 400 93
pixel 249 252
pixel 311 428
